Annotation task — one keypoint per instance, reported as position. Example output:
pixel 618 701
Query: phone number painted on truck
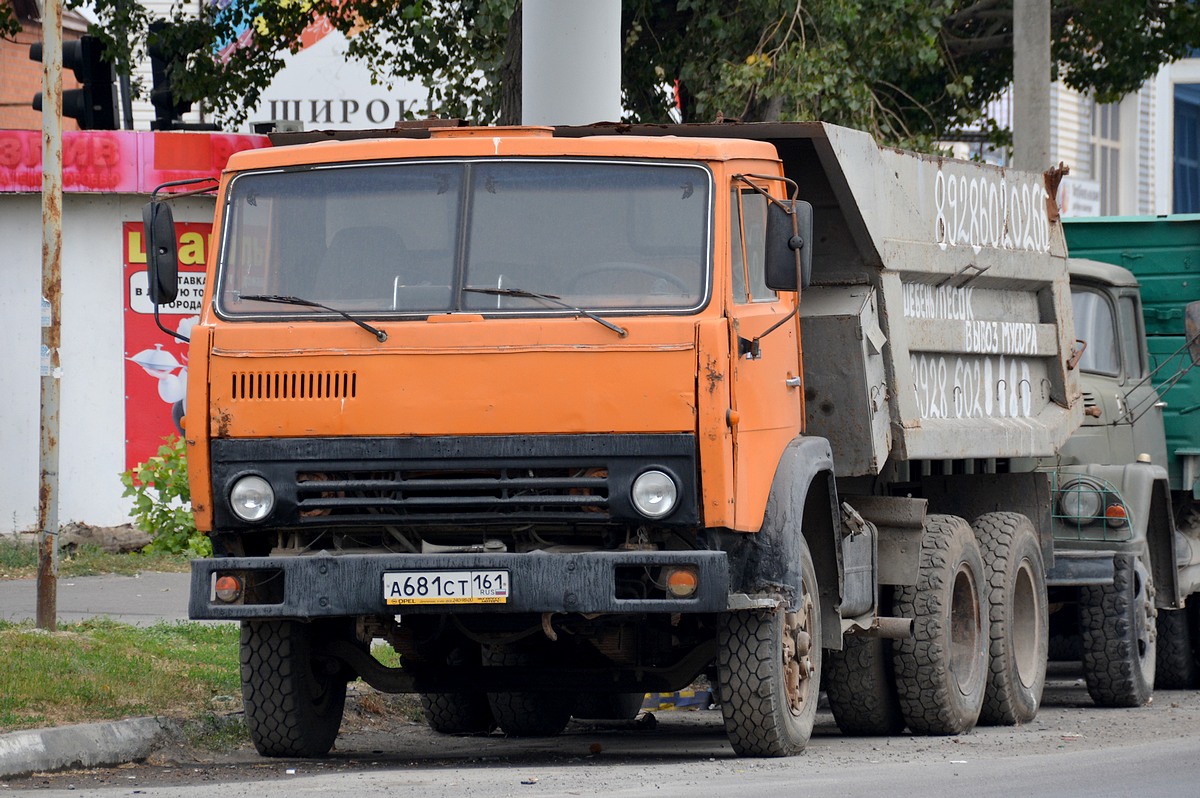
pixel 446 587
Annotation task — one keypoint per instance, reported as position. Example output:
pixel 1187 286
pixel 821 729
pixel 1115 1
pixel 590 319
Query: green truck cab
pixel 1127 520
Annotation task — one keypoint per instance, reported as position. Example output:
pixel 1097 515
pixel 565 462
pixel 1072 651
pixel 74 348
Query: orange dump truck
pixel 531 406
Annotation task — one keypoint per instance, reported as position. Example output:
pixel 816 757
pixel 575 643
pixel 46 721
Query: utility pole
pixel 570 62
pixel 52 196
pixel 1031 85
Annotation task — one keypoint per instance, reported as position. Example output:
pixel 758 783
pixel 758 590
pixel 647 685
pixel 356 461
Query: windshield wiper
pixel 379 334
pixel 552 299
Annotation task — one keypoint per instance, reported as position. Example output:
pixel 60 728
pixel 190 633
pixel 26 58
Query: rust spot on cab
pixel 713 375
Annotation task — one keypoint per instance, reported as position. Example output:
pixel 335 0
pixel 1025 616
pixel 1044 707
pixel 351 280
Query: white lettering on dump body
pixel 973 387
pixel 923 301
pixel 994 337
pixel 985 211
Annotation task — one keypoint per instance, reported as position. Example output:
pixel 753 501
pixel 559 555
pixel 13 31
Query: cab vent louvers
pixel 294 385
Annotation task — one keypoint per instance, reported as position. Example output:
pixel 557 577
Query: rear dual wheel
pixel 1019 619
pixel 464 712
pixel 526 713
pixel 1178 648
pixel 941 669
pixel 861 688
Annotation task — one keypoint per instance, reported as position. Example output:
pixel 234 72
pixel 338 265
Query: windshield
pixel 409 237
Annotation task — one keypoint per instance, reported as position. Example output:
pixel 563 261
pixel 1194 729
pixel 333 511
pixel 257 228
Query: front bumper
pixel 1080 568
pixel 340 585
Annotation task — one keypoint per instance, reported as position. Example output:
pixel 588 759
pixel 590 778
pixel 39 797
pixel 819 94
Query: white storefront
pixel 104 195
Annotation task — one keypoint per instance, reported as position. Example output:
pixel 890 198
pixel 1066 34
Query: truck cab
pixel 1122 410
pixel 1119 561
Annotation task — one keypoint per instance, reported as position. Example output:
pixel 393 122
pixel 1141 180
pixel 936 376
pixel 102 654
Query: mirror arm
pixel 787 181
pixel 191 181
pixel 173 333
pixel 751 347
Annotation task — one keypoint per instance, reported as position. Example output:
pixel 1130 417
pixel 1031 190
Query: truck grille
pixel 552 481
pixel 294 385
pixel 546 494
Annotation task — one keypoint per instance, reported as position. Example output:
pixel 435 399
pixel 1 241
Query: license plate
pixel 446 587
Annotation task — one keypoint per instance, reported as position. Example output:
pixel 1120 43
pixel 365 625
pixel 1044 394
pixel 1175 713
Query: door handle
pixel 793 382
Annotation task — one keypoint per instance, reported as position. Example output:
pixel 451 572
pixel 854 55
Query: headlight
pixel 654 494
pixel 1081 501
pixel 252 498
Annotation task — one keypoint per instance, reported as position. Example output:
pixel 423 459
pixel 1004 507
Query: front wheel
pixel 294 697
pixel 769 672
pixel 941 669
pixel 1119 640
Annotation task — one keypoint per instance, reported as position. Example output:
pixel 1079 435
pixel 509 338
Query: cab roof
pixel 475 142
pixel 1098 272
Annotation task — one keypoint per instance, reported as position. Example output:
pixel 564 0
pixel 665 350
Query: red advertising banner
pixel 155 362
pixel 124 161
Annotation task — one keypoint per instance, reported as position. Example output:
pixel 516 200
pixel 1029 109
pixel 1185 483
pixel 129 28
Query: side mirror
pixel 789 245
pixel 1191 326
pixel 162 258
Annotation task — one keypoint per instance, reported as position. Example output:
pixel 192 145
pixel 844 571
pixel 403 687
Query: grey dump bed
pixel 938 325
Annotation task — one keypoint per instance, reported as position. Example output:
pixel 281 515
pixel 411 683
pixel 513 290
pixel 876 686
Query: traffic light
pixel 164 53
pixel 94 105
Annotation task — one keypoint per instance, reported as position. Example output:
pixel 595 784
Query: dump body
pixel 937 325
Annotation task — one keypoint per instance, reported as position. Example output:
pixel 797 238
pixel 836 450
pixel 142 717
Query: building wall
pixel 92 410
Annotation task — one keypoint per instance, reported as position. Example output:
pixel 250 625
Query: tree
pixel 909 71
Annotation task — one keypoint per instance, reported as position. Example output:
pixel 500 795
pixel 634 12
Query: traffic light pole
pixel 52 197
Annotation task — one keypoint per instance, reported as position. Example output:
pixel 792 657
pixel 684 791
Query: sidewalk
pixel 141 600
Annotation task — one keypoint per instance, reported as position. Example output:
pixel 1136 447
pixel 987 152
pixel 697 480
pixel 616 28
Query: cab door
pixel 766 390
pixel 1144 405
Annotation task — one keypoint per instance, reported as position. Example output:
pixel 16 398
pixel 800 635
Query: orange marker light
pixel 228 588
pixel 1116 515
pixel 682 582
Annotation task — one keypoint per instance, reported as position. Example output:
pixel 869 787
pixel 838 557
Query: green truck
pixel 1127 515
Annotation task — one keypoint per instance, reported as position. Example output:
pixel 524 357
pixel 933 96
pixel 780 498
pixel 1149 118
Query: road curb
pixel 82 746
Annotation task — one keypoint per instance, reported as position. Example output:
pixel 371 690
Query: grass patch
pixel 102 670
pixel 19 560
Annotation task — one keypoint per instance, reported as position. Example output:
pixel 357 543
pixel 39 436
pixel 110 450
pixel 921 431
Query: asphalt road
pixel 685 757
pixel 141 600
pixel 1071 748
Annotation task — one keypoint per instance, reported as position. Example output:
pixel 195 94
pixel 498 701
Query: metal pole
pixel 126 103
pixel 1031 85
pixel 570 62
pixel 52 195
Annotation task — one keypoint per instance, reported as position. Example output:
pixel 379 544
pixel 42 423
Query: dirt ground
pixel 380 732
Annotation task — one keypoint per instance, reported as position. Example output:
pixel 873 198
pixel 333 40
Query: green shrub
pixel 162 502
